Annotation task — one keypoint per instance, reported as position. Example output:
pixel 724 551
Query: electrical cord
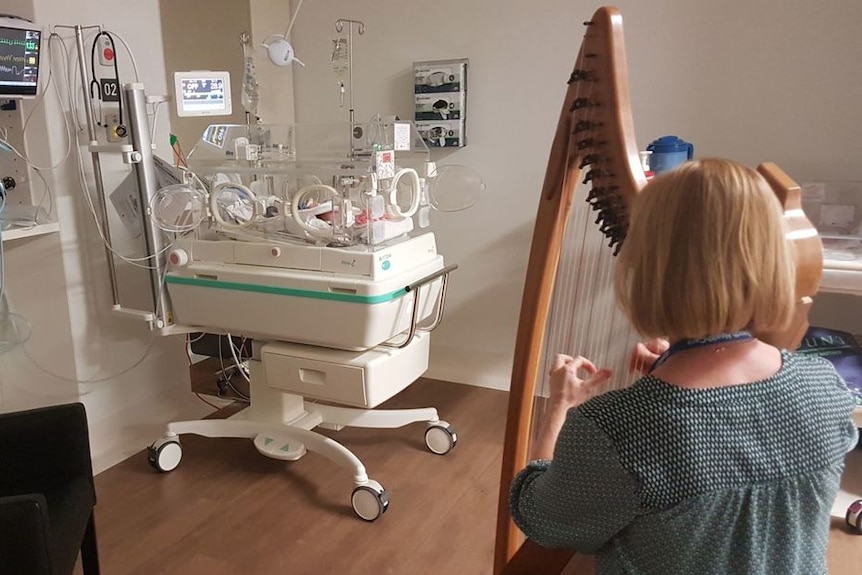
pixel 129 52
pixel 227 380
pixel 189 356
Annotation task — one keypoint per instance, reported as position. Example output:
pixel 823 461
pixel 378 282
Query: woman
pixel 726 456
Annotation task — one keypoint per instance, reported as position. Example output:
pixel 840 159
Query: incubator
pixel 313 241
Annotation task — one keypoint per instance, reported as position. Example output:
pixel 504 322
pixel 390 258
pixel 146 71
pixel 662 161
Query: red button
pixel 108 53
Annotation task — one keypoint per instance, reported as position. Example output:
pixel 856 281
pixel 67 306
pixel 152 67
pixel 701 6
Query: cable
pixel 236 360
pixel 226 376
pixel 179 156
pixel 94 83
pixel 40 99
pixel 2 255
pixel 128 51
pixel 155 120
pixel 198 395
pixel 293 19
pixel 93 380
pixel 214 406
pixel 82 179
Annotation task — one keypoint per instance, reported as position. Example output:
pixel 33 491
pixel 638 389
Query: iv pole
pixel 97 165
pixel 339 27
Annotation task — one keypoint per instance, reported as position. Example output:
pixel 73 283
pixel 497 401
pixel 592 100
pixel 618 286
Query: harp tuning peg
pixel 588 160
pixel 581 103
pixel 578 75
pixel 591 175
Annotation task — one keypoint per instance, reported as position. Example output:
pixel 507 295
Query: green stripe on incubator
pixel 257 288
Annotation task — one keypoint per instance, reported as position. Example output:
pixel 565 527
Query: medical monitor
pixel 202 93
pixel 20 45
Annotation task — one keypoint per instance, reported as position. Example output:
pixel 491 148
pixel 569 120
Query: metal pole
pixel 97 165
pixel 339 26
pixel 145 171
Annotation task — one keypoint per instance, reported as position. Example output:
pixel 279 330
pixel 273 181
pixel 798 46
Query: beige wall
pixel 204 35
pixel 754 81
pixel 270 17
pixel 766 80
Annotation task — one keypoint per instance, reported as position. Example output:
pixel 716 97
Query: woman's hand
pixel 645 354
pixel 567 389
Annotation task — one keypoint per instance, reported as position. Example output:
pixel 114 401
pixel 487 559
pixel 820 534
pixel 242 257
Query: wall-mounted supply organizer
pixel 440 89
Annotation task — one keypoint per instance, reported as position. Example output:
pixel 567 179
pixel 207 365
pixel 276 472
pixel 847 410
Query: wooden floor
pixel 227 509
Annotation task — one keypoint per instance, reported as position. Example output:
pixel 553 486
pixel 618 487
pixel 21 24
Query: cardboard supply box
pixel 439 76
pixel 442 133
pixel 440 106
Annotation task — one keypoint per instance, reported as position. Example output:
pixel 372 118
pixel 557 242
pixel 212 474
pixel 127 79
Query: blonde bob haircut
pixel 705 254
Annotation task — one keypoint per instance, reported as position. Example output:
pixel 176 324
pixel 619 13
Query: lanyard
pixel 685 344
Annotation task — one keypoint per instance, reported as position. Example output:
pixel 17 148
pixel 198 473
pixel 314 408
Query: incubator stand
pixel 309 240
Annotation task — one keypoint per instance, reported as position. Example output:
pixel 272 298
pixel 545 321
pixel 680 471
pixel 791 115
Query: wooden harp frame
pixel 596 129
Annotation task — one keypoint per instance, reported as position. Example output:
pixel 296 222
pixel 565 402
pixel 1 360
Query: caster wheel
pixel 440 437
pixel 370 501
pixel 165 454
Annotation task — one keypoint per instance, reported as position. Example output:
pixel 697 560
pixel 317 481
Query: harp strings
pixel 584 318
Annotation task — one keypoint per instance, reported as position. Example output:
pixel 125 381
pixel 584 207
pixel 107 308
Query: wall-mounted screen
pixel 20 44
pixel 202 93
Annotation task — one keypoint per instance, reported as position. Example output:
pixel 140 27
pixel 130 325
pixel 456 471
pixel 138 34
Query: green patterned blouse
pixel 661 480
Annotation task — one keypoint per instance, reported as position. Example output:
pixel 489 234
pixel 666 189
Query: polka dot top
pixel 660 480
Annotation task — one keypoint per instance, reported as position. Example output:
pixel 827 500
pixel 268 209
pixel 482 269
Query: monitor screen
pixel 19 59
pixel 202 93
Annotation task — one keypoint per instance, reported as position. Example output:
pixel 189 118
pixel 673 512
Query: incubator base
pixel 281 424
pixel 344 298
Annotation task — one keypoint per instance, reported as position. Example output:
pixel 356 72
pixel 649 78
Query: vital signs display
pixel 20 44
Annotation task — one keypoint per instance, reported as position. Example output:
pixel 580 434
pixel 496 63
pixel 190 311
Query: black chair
pixel 47 492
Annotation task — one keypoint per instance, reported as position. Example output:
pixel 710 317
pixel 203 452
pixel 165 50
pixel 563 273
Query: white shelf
pixel 37 230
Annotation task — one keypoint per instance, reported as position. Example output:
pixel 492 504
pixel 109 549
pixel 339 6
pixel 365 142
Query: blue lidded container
pixel 668 152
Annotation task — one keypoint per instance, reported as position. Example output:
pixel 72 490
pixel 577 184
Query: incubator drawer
pixel 317 379
pixel 363 379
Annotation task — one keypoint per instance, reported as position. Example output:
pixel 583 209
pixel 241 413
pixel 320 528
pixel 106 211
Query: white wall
pixel 764 80
pixel 131 382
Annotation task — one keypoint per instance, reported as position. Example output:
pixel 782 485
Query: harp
pixel 594 145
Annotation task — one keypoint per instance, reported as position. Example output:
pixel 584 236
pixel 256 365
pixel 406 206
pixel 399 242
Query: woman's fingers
pixel 560 361
pixel 601 376
pixel 581 362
